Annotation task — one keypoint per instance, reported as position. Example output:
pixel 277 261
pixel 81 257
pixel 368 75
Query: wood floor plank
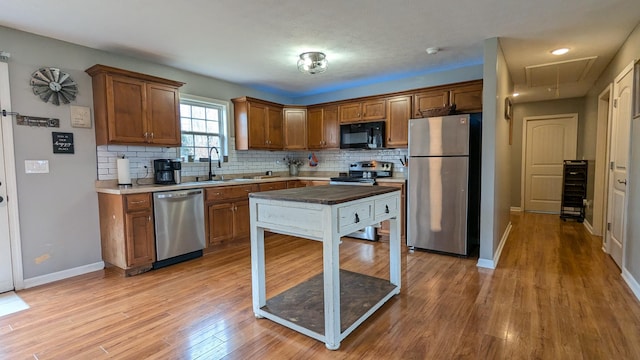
pixel 554 295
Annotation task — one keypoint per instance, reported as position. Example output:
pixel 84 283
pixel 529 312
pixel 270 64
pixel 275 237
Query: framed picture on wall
pixel 508 108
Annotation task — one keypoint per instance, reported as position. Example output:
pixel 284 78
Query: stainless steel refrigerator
pixel 443 183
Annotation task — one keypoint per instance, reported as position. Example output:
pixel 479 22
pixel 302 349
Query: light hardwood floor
pixel 555 295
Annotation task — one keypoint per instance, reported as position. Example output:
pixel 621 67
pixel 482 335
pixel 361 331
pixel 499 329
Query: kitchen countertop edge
pixel 101 187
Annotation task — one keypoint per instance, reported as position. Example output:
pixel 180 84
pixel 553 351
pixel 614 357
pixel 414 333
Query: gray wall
pixel 629 52
pixel 59 211
pixel 540 108
pixel 496 154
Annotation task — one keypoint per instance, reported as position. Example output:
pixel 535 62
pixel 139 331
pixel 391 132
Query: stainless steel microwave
pixel 362 135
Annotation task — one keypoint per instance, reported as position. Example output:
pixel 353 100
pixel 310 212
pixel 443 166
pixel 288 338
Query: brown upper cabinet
pixel 398 115
pixel 323 129
pixel 258 124
pixel 135 109
pixel 467 97
pixel 295 128
pixel 367 110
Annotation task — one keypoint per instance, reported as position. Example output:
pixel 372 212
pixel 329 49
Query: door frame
pixel 601 182
pixel 10 173
pixel 609 187
pixel 524 149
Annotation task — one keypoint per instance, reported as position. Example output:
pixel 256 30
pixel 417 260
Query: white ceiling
pixel 257 43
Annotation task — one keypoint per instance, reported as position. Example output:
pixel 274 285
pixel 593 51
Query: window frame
pixel 223 120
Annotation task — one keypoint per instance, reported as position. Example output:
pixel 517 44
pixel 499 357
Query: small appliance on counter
pixel 167 172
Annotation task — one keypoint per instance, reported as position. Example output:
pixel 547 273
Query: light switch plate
pixel 36 166
pixel 80 116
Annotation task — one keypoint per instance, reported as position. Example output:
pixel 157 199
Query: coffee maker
pixel 167 172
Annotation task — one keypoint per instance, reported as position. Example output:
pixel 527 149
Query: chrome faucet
pixel 211 174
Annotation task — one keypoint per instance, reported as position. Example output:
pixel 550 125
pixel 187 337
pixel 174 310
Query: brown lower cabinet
pixel 226 212
pixel 127 231
pixel 383 230
pixel 305 183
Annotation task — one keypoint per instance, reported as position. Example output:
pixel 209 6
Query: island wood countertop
pixel 324 194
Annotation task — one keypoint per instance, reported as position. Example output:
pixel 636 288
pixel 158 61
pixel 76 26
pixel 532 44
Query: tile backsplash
pixel 239 162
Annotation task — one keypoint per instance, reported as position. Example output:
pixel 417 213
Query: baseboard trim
pixel 588 226
pixel 492 264
pixel 632 283
pixel 516 209
pixel 64 274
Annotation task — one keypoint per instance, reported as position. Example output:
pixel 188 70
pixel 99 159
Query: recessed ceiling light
pixel 432 50
pixel 560 51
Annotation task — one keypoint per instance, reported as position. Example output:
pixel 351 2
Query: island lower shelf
pixel 303 304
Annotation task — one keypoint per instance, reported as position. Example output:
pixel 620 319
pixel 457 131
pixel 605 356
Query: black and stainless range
pixel 365 173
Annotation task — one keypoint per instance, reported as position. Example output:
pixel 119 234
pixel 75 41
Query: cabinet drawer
pixel 228 192
pixel 278 185
pixel 136 202
pixel 354 214
pixel 386 206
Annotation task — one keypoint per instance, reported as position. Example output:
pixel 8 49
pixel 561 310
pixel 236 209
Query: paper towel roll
pixel 124 176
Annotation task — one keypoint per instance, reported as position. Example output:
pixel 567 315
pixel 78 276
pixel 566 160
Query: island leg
pixel 395 261
pixel 331 267
pixel 258 287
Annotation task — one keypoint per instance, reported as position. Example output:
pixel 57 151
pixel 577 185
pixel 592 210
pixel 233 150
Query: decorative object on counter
pixel 294 165
pixel 313 62
pixel 124 171
pixel 439 111
pixel 51 84
pixel 191 158
pixel 62 142
pixel 313 160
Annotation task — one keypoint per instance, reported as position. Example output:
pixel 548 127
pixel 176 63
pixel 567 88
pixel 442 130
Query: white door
pixel 619 157
pixel 549 141
pixel 6 266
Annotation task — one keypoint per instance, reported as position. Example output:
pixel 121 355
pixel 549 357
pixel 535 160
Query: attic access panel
pixel 563 72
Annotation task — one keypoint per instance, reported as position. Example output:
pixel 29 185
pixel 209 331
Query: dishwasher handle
pixel 178 194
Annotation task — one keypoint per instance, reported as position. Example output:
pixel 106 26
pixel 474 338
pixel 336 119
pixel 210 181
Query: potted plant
pixel 294 165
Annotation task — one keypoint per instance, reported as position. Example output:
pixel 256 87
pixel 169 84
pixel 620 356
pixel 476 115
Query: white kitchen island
pixel 324 213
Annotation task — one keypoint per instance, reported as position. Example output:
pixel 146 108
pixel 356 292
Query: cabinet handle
pixel 149 218
pixel 357 218
pixel 386 209
pixel 146 136
pixel 151 136
pixel 622 181
pixel 137 202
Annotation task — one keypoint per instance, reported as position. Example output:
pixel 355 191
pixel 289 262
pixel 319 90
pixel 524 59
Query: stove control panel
pixel 371 169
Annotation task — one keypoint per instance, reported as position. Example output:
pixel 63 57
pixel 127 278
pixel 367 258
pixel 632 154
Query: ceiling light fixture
pixel 560 51
pixel 313 62
pixel 515 94
pixel 432 50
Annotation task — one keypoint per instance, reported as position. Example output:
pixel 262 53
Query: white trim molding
pixel 10 178
pixel 633 284
pixel 64 274
pixel 587 226
pixel 492 264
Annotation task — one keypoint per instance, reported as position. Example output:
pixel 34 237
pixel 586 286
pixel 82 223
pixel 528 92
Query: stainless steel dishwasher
pixel 179 225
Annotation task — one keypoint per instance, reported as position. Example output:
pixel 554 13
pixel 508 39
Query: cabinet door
pixel 374 110
pixel 220 220
pixel 257 125
pixel 163 114
pixel 274 128
pixel 467 98
pixel 139 238
pixel 315 132
pixel 126 110
pixel 331 127
pixel 399 110
pixel 350 112
pixel 429 100
pixel 276 185
pixel 295 129
pixel 241 221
